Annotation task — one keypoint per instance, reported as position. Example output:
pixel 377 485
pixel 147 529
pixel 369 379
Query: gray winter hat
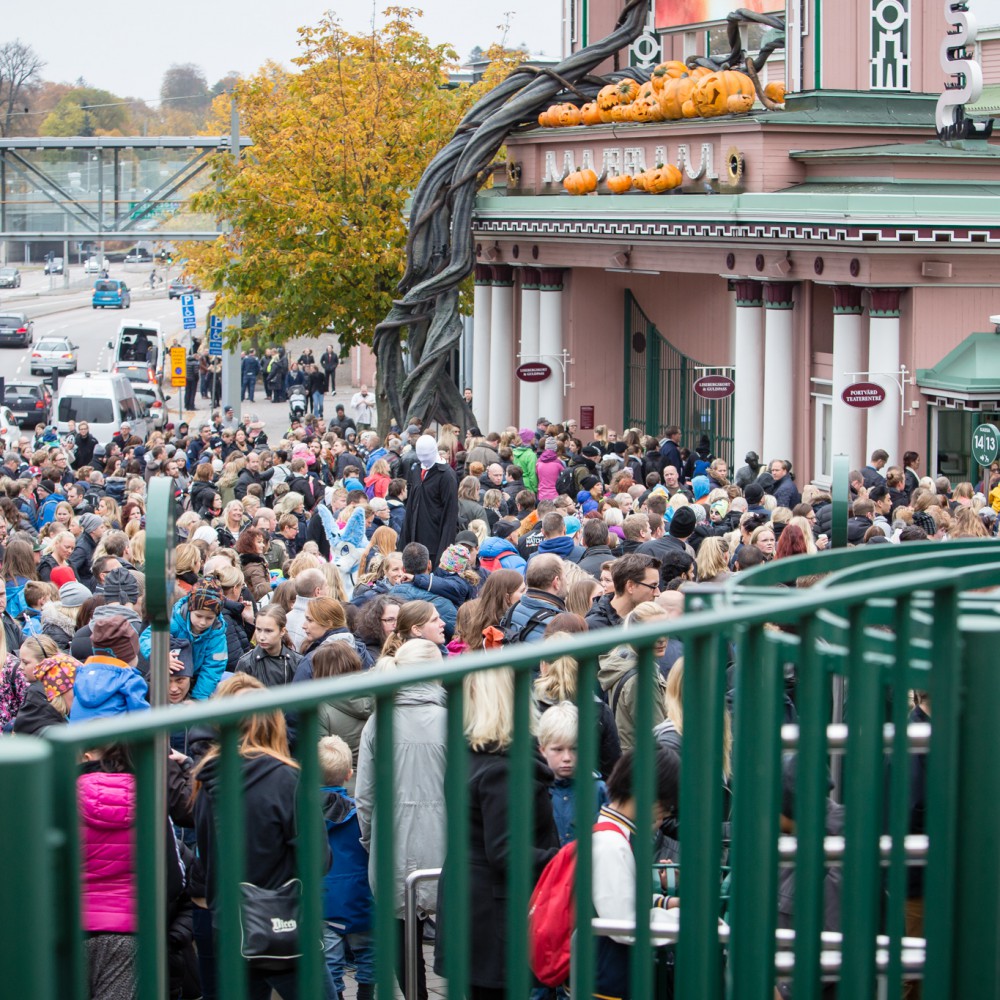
pixel 121 587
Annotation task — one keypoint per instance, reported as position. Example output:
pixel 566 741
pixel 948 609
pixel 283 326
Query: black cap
pixel 683 522
pixel 754 493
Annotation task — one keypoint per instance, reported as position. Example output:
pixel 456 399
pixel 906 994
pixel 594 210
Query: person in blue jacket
pixel 197 618
pixel 347 898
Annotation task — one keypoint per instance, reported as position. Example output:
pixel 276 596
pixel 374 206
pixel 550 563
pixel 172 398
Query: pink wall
pixel 989 54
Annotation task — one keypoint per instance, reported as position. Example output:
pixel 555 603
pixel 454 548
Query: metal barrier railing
pixel 411 951
pixel 874 633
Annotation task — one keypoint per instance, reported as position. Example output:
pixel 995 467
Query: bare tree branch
pixel 19 68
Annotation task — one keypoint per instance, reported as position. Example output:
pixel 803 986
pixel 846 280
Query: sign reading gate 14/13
pixel 985 444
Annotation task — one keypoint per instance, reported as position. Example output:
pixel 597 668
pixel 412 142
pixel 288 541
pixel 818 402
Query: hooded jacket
pixel 547 469
pixel 537 604
pixel 563 546
pixel 595 557
pixel 603 614
pixel 347 898
pixel 617 675
pixel 59 627
pixel 208 649
pixel 106 807
pixel 526 461
pixel 346 718
pixel 500 553
pixel 419 755
pixel 107 686
pixel 36 713
pixel 447 610
pixel 270 793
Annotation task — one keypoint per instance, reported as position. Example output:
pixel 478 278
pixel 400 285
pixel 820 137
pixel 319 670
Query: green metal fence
pixel 886 620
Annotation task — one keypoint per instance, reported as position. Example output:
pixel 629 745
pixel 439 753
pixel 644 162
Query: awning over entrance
pixel 970 372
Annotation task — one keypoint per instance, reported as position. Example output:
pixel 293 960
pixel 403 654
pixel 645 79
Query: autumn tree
pixel 88 111
pixel 317 206
pixel 20 67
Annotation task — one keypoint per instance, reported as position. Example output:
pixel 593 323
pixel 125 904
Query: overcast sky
pixel 126 47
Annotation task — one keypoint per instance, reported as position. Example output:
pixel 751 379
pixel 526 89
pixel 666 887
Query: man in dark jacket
pixel 432 503
pixel 785 491
pixel 637 579
pixel 396 499
pixel 83 445
pixel 541 601
pixel 250 473
pixel 329 362
pixel 670 449
pixel 598 552
pixel 249 370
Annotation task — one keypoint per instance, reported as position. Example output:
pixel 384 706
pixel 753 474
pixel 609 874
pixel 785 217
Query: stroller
pixel 297 402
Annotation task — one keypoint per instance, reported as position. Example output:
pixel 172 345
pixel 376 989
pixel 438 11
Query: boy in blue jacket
pixel 196 619
pixel 557 739
pixel 347 897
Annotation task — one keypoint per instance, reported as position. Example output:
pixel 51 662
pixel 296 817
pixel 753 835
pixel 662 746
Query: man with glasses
pixel 543 599
pixel 636 579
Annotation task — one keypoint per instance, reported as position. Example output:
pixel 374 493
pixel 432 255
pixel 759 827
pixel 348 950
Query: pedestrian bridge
pixel 875 623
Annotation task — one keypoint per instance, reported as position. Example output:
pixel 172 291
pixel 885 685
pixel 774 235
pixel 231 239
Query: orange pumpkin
pixel 608 97
pixel 663 178
pixel 639 181
pixel 621 113
pixel 775 90
pixel 739 104
pixel 545 118
pixel 628 91
pixel 568 115
pixel 589 114
pixel 646 109
pixel 674 92
pixel 699 71
pixel 645 90
pixel 620 183
pixel 711 95
pixel 581 181
pixel 673 69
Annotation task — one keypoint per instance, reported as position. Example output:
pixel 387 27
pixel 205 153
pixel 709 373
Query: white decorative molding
pixel 958 61
pixel 890 45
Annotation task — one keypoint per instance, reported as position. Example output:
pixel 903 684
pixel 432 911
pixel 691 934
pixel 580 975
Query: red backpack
pixel 552 912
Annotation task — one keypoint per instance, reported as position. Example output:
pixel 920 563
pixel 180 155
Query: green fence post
pixel 976 925
pixel 841 499
pixel 27 945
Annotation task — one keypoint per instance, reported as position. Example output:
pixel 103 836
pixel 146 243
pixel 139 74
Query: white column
pixel 779 371
pixel 481 306
pixel 883 357
pixel 528 391
pixel 501 374
pixel 551 401
pixel 748 358
pixel 848 357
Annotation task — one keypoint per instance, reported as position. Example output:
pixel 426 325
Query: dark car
pixel 138 256
pixel 16 329
pixel 10 277
pixel 30 402
pixel 181 286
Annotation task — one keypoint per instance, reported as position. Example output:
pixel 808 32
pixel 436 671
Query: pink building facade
pixel 834 242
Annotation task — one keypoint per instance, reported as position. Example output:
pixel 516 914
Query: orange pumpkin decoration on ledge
pixel 672 69
pixel 775 90
pixel 711 96
pixel 568 115
pixel 581 181
pixel 589 114
pixel 673 95
pixel 663 178
pixel 620 183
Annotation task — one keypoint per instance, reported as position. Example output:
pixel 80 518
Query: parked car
pixel 139 352
pixel 54 266
pixel 53 354
pixel 150 396
pixel 30 402
pixel 10 277
pixel 104 400
pixel 110 292
pixel 140 255
pixel 16 329
pixel 182 286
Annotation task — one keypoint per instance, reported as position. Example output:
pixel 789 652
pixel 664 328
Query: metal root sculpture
pixel 413 343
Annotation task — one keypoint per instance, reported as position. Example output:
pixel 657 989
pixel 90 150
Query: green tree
pixel 317 207
pixel 88 111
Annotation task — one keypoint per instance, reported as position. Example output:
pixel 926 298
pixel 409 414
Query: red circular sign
pixel 535 372
pixel 863 395
pixel 714 387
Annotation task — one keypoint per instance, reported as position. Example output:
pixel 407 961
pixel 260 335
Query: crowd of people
pixel 334 551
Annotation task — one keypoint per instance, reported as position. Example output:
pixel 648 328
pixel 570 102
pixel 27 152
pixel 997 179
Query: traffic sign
pixel 178 367
pixel 985 444
pixel 187 300
pixel 187 312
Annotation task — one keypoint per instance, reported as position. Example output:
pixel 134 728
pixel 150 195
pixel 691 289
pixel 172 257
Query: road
pixel 68 313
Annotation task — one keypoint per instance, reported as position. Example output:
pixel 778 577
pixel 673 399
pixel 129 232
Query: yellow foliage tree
pixel 317 205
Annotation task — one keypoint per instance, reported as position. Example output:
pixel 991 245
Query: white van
pixel 104 400
pixel 138 352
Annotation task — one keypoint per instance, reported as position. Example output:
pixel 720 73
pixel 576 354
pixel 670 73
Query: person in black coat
pixel 488 847
pixel 670 449
pixel 329 362
pixel 432 501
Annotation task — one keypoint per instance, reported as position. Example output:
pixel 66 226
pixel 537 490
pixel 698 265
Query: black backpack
pixel 519 633
pixel 565 483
